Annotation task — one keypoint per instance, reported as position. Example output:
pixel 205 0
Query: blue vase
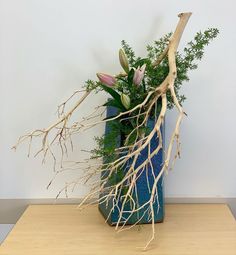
pixel 143 191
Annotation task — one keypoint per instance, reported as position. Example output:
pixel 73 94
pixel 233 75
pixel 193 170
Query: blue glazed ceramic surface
pixel 143 192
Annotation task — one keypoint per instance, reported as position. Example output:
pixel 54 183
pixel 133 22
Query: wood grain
pixel 63 229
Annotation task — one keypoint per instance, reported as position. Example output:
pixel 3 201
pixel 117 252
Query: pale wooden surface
pixel 63 229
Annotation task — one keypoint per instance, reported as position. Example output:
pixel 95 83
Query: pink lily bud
pixel 139 74
pixel 106 79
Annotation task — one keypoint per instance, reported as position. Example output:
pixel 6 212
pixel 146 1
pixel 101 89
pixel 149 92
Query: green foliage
pixel 155 50
pixel 107 144
pixel 120 128
pixel 185 61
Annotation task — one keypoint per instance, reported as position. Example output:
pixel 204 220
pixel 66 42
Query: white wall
pixel 4 230
pixel 48 48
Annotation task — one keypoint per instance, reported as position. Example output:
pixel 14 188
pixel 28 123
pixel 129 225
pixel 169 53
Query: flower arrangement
pixel 142 91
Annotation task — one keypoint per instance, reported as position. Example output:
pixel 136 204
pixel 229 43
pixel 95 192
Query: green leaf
pixel 114 103
pixel 141 61
pixel 131 76
pixel 113 93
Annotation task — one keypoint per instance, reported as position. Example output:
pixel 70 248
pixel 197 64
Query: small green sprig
pixel 129 52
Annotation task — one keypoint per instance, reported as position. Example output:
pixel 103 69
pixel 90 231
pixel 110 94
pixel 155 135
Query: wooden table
pixel 194 229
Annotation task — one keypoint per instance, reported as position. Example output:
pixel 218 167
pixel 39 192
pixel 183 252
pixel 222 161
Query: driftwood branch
pixel 63 132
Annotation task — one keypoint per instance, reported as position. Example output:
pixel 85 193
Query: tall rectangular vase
pixel 144 185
